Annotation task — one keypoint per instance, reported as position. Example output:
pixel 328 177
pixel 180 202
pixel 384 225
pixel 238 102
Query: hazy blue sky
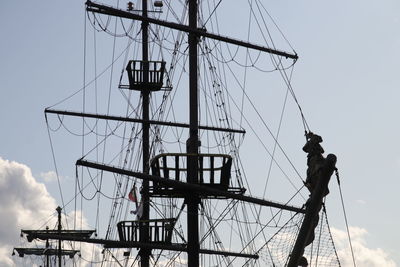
pixel 347 80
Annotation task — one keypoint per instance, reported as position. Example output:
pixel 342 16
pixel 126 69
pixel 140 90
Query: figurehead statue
pixel 322 168
pixel 314 159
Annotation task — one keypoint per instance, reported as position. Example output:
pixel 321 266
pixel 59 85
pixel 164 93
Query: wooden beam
pixel 126 244
pixel 203 190
pixel 134 120
pixel 102 9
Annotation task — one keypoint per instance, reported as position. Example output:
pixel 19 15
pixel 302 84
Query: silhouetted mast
pixel 192 145
pixel 47 234
pixel 144 235
pixel 146 76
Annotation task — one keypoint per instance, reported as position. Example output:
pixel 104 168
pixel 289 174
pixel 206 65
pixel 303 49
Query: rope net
pixel 321 252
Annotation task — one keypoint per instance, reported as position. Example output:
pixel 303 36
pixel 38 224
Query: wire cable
pixel 345 218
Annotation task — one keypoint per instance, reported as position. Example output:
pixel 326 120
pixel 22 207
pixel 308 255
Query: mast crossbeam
pixel 153 122
pixel 125 244
pixel 107 10
pixel 77 233
pixel 204 190
pixel 45 251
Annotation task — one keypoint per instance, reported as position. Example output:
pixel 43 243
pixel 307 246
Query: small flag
pixel 138 212
pixel 132 194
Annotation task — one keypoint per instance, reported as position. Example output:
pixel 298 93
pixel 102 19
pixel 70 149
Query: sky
pixel 347 81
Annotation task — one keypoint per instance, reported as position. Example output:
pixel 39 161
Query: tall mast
pixel 47 247
pixel 144 236
pixel 146 76
pixel 59 232
pixel 192 200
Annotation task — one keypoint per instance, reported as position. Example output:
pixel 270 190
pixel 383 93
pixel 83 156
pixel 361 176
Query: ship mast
pixel 192 200
pixel 144 235
pixel 146 76
pixel 60 233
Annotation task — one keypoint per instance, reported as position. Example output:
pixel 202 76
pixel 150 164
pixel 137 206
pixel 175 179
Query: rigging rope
pixel 345 217
pixel 55 162
pixel 215 9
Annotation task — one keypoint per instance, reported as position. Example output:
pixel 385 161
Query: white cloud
pixel 364 254
pixel 26 204
pixel 5 259
pixel 22 199
pixel 361 201
pixel 49 176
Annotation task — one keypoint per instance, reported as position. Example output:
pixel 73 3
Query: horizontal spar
pixel 118 118
pixel 107 10
pixel 127 244
pixel 186 186
pixel 45 251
